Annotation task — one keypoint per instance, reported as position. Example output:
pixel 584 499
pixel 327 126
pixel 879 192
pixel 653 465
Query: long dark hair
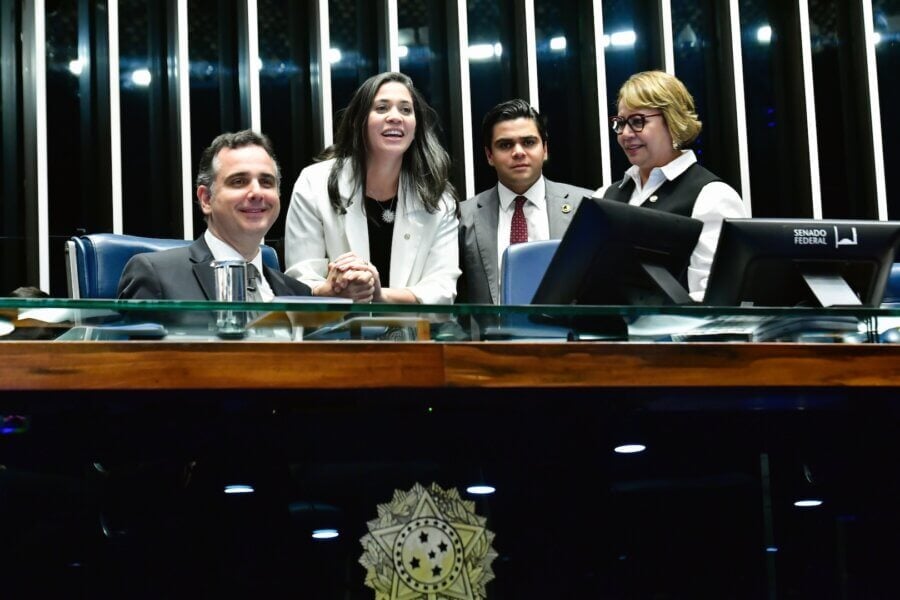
pixel 426 165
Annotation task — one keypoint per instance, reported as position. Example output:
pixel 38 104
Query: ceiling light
pixel 481 51
pixel 141 77
pixel 623 38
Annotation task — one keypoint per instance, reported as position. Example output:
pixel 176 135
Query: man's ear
pixel 490 155
pixel 204 197
pixel 546 151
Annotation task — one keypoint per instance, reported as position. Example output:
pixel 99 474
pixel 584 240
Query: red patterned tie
pixel 518 232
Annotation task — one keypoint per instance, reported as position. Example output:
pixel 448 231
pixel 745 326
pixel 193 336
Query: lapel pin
pixel 566 209
pixel 654 198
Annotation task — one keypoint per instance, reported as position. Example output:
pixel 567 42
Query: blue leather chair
pixel 95 262
pixel 523 268
pixel 892 289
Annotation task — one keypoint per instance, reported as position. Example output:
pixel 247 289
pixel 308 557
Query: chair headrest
pixel 892 289
pixel 523 268
pixel 101 258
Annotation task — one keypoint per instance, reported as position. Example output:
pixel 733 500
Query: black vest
pixel 676 196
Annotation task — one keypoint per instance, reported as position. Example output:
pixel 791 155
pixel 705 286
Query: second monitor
pixel 802 262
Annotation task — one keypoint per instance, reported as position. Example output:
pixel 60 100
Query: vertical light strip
pixel 531 57
pixel 875 110
pixel 393 35
pixel 602 105
pixel 665 25
pixel 182 61
pixel 740 109
pixel 324 42
pixel 462 18
pixel 255 64
pixel 40 123
pixel 810 108
pixel 115 119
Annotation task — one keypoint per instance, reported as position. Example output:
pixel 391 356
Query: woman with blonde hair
pixel 375 220
pixel 655 124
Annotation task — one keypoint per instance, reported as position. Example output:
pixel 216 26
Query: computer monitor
pixel 617 254
pixel 802 262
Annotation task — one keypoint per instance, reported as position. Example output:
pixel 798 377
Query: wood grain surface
pixel 351 365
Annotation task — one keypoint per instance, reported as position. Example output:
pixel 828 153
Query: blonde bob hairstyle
pixel 666 93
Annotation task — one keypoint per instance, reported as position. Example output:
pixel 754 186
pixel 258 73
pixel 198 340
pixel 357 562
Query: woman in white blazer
pixel 376 221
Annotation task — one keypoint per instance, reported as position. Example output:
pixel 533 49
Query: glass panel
pixel 776 130
pixel 423 31
pixel 78 182
pixel 698 53
pixel 567 91
pixel 13 247
pixel 630 48
pixel 286 95
pixel 97 318
pixel 886 15
pixel 354 48
pixel 492 75
pixel 214 89
pixel 151 182
pixel 847 185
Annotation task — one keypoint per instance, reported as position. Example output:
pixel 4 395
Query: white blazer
pixel 424 247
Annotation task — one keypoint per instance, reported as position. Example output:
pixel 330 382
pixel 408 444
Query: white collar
pixel 536 194
pixel 669 171
pixel 223 251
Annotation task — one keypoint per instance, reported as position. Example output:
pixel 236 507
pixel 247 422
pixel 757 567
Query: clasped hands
pixel 351 276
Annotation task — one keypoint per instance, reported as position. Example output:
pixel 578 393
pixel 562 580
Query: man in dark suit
pixel 523 206
pixel 237 190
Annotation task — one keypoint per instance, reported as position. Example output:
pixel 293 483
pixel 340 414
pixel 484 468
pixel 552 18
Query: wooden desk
pixel 151 431
pixel 363 365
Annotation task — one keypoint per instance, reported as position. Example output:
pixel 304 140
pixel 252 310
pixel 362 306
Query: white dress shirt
pixel 715 202
pixel 222 251
pixel 535 214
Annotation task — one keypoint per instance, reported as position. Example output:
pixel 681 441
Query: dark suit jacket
pixel 479 215
pixel 185 274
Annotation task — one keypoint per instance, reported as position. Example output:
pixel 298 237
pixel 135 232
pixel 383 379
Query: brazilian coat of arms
pixel 428 544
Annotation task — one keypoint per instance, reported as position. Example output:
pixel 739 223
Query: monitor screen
pixel 615 253
pixel 802 262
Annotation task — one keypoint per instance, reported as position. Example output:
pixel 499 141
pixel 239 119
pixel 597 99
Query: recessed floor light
pixel 325 534
pixel 808 503
pixel 630 448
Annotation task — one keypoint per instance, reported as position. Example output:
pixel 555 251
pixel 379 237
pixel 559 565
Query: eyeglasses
pixel 635 121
